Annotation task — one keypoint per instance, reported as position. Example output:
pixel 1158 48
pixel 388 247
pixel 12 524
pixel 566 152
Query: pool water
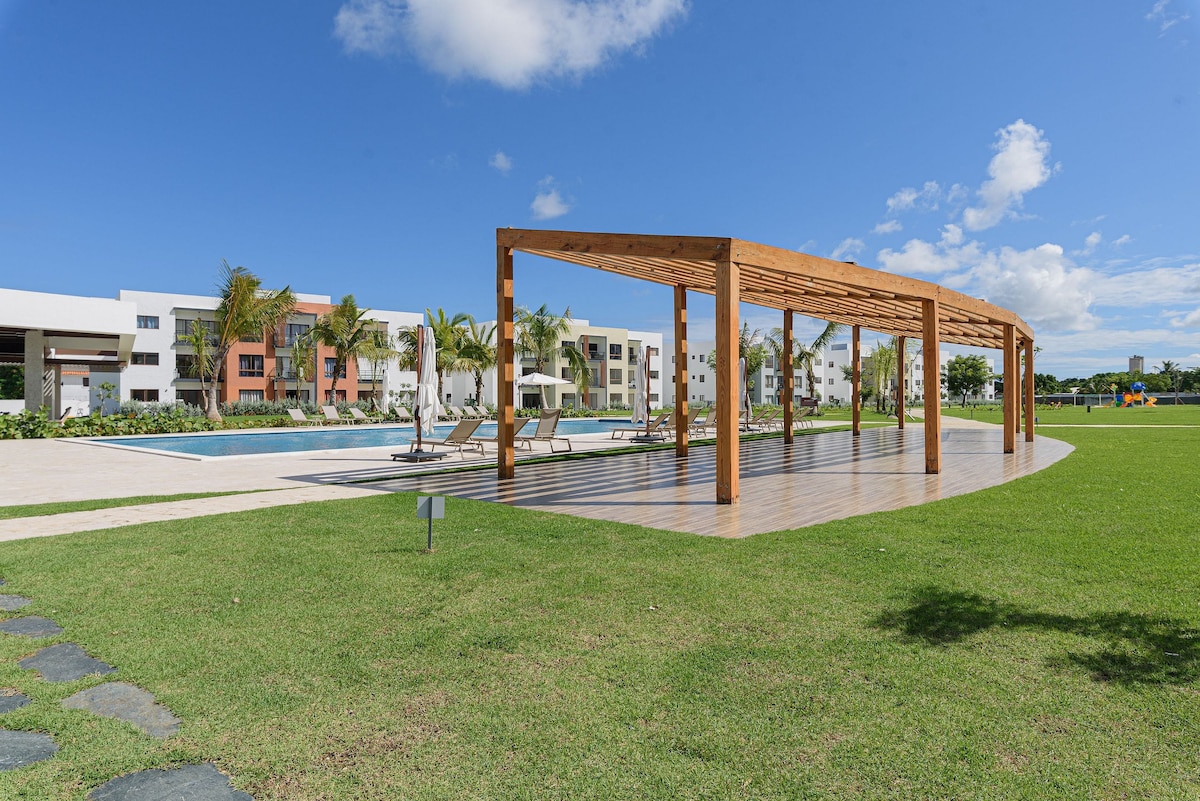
pixel 245 443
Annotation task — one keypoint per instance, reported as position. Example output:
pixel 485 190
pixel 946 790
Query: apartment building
pixel 611 355
pixel 837 386
pixel 765 384
pixel 162 366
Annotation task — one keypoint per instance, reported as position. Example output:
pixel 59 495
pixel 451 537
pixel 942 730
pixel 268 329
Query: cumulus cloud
pixel 849 247
pixel 1190 320
pixel 548 203
pixel 501 162
pixel 1040 284
pixel 1090 243
pixel 1019 166
pixel 947 256
pixel 512 43
pixel 888 227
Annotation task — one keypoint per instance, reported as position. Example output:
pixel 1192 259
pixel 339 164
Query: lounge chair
pixel 451 413
pixel 658 427
pixel 457 439
pixel 808 407
pixel 332 416
pixel 518 424
pixel 402 414
pixel 702 426
pixel 693 417
pixel 480 412
pixel 358 417
pixel 546 427
pixel 300 419
pixel 759 419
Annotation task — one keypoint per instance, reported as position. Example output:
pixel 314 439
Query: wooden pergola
pixel 737 271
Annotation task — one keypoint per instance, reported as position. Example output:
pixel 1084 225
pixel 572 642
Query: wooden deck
pixel 816 479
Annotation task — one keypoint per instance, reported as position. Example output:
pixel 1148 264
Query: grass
pixel 1040 639
pixel 61 507
pixel 1168 415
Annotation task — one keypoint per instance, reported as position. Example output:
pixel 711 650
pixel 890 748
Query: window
pixel 250 366
pixel 185 365
pixel 192 396
pixel 183 328
pixel 293 332
pixel 831 382
pixel 653 375
pixel 146 321
pixel 250 395
pixel 144 395
pixel 331 365
pixel 614 376
pixel 566 343
pixel 770 380
pixel 702 378
pixel 144 358
pixel 614 351
pixel 831 363
pixel 654 397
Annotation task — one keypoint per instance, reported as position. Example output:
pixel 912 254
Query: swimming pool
pixel 246 443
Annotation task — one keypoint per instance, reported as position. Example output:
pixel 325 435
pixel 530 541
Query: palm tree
pixel 246 310
pixel 379 349
pixel 806 355
pixel 1174 374
pixel 478 353
pixel 539 335
pixel 753 348
pixel 345 328
pixel 303 363
pixel 448 332
pixel 882 368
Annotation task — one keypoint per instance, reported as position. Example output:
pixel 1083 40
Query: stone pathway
pixel 67 662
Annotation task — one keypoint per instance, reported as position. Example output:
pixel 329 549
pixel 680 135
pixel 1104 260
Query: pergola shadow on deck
pixel 736 271
pixel 815 479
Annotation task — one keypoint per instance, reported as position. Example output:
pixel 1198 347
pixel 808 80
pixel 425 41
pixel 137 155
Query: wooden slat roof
pixel 779 279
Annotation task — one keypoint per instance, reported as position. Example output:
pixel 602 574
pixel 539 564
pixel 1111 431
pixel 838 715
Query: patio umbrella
pixel 641 410
pixel 743 393
pixel 539 380
pixel 428 406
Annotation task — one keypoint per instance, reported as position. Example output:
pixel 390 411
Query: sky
pixel 1042 156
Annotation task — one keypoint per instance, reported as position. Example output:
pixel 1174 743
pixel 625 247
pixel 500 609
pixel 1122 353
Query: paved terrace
pixel 816 479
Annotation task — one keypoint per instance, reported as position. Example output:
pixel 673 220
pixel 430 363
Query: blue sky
pixel 1041 155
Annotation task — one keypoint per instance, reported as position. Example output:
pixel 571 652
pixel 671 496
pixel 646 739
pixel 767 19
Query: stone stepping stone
pixel 128 703
pixel 65 662
pixel 190 783
pixel 10 702
pixel 21 748
pixel 11 603
pixel 32 626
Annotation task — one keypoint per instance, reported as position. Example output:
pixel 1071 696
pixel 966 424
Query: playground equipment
pixel 1138 394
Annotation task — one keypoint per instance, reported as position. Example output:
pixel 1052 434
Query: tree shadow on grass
pixel 1134 649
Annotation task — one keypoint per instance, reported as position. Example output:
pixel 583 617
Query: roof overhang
pixel 781 279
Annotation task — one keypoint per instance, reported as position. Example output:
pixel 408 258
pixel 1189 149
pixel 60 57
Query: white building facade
pixel 837 359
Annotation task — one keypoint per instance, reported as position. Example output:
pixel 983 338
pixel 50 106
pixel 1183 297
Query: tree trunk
pixel 213 412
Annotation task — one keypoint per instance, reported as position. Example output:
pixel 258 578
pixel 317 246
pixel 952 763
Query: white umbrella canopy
pixel 641 412
pixel 539 380
pixel 428 405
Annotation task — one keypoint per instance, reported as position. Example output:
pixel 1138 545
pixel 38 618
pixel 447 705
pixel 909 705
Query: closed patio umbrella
pixel 641 410
pixel 428 406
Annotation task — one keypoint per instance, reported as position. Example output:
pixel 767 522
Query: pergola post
pixel 789 377
pixel 931 378
pixel 1012 389
pixel 681 372
pixel 1030 398
pixel 901 371
pixel 728 297
pixel 505 358
pixel 855 382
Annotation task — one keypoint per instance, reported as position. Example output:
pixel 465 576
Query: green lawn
pixel 1036 640
pixel 61 507
pixel 1165 415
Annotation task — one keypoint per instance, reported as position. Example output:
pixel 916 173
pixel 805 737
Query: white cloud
pixel 1124 239
pixel 1150 286
pixel 946 257
pixel 548 203
pixel 1040 284
pixel 501 162
pixel 888 227
pixel 1165 17
pixel 512 43
pixel 848 247
pixel 1090 243
pixel 924 199
pixel 1191 320
pixel 1019 166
